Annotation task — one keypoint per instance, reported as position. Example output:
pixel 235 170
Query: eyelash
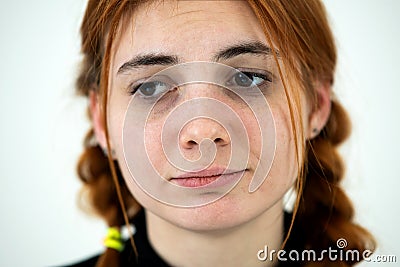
pixel 136 87
pixel 266 76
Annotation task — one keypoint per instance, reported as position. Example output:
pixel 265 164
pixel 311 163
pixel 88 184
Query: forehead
pixel 193 30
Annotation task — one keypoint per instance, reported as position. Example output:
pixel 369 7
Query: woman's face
pixel 164 34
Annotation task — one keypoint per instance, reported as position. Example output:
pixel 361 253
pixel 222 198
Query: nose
pixel 197 130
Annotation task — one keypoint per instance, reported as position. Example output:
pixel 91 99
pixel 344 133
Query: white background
pixel 43 124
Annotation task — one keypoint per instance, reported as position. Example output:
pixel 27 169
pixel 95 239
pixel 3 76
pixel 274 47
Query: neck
pixel 236 246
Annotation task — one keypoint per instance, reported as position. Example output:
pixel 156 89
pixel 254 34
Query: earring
pixel 315 131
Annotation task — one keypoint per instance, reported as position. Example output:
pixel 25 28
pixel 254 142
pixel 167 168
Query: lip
pixel 214 177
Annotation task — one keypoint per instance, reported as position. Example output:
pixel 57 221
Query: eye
pixel 151 88
pixel 247 79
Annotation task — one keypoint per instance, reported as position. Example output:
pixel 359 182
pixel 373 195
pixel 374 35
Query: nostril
pixel 192 143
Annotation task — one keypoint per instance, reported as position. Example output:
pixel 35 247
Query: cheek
pixel 122 119
pixel 115 123
pixel 284 135
pixel 284 168
pixel 278 139
pixel 154 148
pixel 116 109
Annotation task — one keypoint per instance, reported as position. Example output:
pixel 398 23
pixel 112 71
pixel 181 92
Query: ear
pixel 97 119
pixel 320 112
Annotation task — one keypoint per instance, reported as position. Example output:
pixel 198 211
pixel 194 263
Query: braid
pixel 99 194
pixel 325 213
pixel 99 189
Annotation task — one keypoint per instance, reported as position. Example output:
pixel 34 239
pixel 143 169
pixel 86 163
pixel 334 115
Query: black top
pixel 149 257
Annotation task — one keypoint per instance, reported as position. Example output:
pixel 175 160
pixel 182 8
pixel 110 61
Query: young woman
pixel 205 114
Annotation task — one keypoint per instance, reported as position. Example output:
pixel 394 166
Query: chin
pixel 221 214
pixel 226 213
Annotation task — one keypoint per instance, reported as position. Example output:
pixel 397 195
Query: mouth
pixel 214 177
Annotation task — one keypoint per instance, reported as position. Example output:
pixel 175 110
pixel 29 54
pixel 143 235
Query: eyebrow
pixel 252 47
pixel 152 59
pixel 148 60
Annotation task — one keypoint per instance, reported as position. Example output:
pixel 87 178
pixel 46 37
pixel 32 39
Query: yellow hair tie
pixel 114 239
